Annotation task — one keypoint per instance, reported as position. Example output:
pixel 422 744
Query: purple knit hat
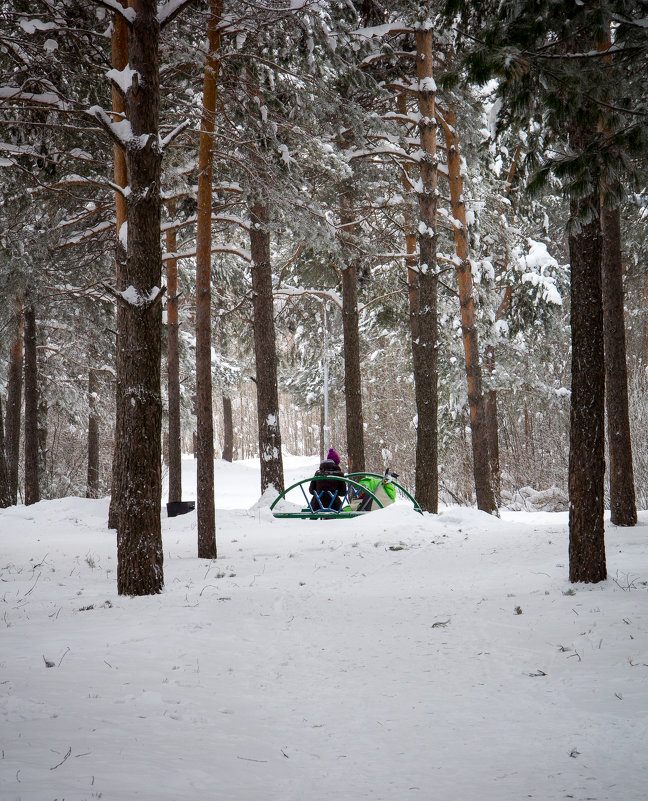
pixel 332 455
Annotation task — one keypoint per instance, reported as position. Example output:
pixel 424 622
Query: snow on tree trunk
pixel 32 486
pixel 173 367
pixel 425 346
pixel 138 437
pixel 479 433
pixel 622 490
pixel 14 401
pixel 204 409
pixel 587 430
pixel 265 350
pixel 119 60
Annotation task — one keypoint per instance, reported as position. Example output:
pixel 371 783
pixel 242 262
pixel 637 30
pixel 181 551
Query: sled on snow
pixel 365 492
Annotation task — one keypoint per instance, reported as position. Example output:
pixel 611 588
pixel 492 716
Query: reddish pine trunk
pixel 479 433
pixel 32 487
pixel 587 431
pixel 425 346
pixel 138 436
pixel 204 409
pixel 265 351
pixel 622 490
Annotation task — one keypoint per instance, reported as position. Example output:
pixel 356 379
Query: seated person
pixel 327 493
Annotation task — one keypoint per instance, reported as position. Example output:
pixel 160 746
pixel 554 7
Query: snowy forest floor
pixel 389 657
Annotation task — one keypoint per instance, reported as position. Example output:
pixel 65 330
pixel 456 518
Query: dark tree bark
pixel 228 419
pixel 622 490
pixel 92 487
pixel 43 411
pixel 138 436
pixel 587 423
pixel 32 485
pixel 352 372
pixel 265 350
pixel 492 428
pixel 478 427
pixel 228 430
pixel 5 494
pixel 14 402
pixel 350 319
pixel 173 369
pixel 425 347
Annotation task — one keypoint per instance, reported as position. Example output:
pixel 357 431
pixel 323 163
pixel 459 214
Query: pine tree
pixel 550 73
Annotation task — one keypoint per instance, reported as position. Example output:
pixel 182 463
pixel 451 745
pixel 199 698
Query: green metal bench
pixel 354 488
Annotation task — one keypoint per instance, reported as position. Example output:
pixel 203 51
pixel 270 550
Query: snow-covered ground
pixel 389 657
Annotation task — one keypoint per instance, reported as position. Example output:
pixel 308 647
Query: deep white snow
pixel 389 657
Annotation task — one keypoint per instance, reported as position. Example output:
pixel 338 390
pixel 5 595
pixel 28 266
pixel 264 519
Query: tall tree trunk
pixel 411 260
pixel 479 433
pixel 492 427
pixel 622 490
pixel 14 402
pixel 265 350
pixel 43 411
pixel 623 508
pixel 352 371
pixel 228 429
pixel 92 487
pixel 5 494
pixel 204 409
pixel 119 60
pixel 138 436
pixel 173 366
pixel 411 249
pixel 32 486
pixel 426 346
pixel 587 423
pixel 228 419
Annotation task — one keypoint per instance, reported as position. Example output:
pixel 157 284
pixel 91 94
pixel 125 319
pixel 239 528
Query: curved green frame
pixel 415 503
pixel 324 513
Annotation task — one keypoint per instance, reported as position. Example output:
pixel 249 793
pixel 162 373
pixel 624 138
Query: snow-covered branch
pixel 296 292
pixel 132 297
pixel 89 233
pixel 189 254
pixel 173 134
pixel 127 14
pixel 380 31
pixel 170 10
pixel 38 98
